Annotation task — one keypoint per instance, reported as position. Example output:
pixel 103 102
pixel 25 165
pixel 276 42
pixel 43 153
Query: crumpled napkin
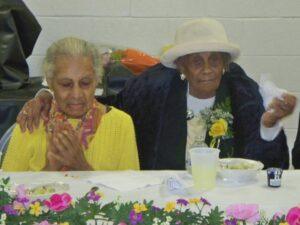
pixel 125 180
pixel 269 90
pixel 174 184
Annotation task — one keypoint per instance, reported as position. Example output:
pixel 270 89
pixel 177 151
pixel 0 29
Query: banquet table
pixel 269 199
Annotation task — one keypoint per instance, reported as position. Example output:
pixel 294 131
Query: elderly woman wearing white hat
pixel 197 95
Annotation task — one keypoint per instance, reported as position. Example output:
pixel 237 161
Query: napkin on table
pixel 125 180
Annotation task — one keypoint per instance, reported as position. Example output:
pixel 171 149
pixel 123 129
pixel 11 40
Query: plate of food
pixel 238 170
pixel 46 190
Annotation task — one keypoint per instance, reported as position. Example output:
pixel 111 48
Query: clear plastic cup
pixel 205 163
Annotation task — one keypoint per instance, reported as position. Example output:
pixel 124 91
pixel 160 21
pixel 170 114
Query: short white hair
pixel 71 47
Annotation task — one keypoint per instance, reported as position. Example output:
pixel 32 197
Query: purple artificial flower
pixel 8 209
pixel 232 221
pixel 205 202
pixel 182 201
pixel 178 222
pixel 24 201
pixel 156 209
pixel 22 196
pixel 135 218
pixel 93 196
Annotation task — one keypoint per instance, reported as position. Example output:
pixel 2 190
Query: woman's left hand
pixel 278 109
pixel 70 151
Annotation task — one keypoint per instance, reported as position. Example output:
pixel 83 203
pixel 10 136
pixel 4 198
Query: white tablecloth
pixel 269 199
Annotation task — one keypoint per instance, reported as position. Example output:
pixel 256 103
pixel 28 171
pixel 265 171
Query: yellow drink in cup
pixel 204 167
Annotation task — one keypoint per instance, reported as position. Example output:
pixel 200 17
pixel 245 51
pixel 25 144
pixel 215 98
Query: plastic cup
pixel 205 163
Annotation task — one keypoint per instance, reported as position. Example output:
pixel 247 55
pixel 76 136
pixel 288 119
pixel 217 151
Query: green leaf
pixel 215 217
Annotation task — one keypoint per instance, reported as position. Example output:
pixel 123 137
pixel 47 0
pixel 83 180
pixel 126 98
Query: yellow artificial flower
pixel 35 209
pixel 170 206
pixel 20 208
pixel 138 208
pixel 285 223
pixel 65 223
pixel 194 200
pixel 219 128
pixel 100 194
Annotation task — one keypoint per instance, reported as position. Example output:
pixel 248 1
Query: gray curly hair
pixel 71 46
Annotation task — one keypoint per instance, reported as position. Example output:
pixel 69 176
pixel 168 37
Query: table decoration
pixel 16 207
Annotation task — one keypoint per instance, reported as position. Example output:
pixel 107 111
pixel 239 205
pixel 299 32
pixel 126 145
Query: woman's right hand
pixel 31 113
pixel 52 164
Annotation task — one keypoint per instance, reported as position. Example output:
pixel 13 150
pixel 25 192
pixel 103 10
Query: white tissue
pixel 175 185
pixel 269 90
pixel 44 83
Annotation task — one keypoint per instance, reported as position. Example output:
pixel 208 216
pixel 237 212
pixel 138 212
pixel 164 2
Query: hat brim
pixel 168 58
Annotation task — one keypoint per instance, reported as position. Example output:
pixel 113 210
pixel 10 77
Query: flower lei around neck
pixel 218 121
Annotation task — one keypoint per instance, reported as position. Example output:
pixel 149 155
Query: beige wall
pixel 268 31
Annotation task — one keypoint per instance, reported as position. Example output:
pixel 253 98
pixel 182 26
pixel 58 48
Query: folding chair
pixel 4 141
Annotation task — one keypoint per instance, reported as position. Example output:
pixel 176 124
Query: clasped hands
pixel 64 150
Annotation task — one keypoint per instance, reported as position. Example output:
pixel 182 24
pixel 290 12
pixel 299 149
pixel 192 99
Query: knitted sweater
pixel 112 148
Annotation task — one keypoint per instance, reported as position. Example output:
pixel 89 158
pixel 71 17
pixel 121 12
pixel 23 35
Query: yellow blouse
pixel 112 148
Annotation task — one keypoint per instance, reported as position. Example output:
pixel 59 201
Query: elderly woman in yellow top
pixel 81 133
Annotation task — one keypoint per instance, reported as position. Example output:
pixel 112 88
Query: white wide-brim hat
pixel 200 35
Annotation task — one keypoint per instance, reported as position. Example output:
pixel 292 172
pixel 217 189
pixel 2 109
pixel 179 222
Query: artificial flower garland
pixel 62 209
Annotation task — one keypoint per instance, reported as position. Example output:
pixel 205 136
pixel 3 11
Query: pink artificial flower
pixel 22 195
pixel 45 222
pixel 247 212
pixel 293 216
pixel 93 196
pixel 58 202
pixel 21 191
pixel 122 223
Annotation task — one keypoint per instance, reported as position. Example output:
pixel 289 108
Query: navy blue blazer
pixel 296 149
pixel 156 101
